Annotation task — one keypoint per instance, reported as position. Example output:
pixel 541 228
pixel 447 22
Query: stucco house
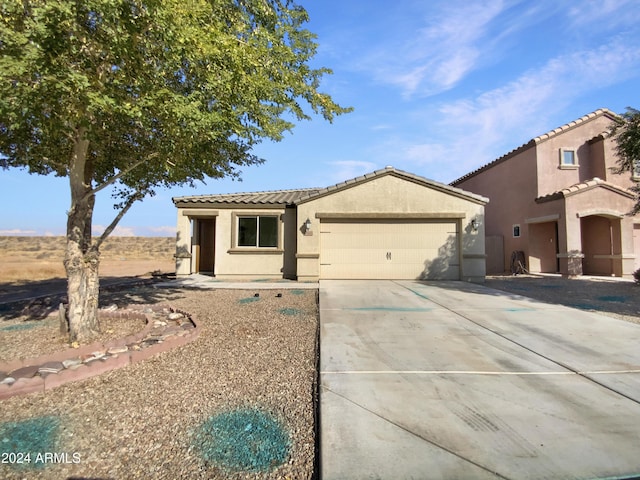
pixel 556 199
pixel 387 224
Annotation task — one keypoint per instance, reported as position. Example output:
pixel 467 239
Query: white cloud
pixel 440 53
pixel 474 131
pixel 119 231
pixel 169 230
pixel 18 232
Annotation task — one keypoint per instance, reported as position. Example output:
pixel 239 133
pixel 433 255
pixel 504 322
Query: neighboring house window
pixel 258 231
pixel 516 231
pixel 568 158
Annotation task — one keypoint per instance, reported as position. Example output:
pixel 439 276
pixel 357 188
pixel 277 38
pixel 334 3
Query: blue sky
pixel 439 88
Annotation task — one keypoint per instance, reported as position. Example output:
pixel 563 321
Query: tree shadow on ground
pixel 37 300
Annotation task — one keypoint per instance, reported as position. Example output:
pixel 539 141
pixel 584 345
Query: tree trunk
pixel 83 289
pixel 82 258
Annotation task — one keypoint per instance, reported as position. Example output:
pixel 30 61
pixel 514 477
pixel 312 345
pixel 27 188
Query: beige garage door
pixel 389 249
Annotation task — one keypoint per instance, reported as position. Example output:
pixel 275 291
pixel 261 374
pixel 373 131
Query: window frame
pixel 568 166
pixel 236 247
pixel 519 230
pixel 635 170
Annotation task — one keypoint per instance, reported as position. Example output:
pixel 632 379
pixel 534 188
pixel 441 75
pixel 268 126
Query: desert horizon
pixel 35 258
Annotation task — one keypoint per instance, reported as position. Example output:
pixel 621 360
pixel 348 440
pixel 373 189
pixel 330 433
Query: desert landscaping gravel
pixel 139 421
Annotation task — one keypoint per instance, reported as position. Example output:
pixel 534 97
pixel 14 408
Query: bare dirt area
pixel 618 299
pixel 142 421
pixel 28 259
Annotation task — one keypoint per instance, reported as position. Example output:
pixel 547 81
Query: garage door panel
pixel 389 249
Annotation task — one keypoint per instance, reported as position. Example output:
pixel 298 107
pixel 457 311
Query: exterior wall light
pixel 306 227
pixel 474 225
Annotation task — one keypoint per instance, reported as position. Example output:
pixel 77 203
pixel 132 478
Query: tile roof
pixel 398 173
pixel 539 139
pixel 293 197
pixel 274 197
pixel 582 187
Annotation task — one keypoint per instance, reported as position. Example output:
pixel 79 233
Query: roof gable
pixel 399 174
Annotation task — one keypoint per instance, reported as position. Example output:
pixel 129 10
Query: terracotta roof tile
pixel 275 197
pixel 584 186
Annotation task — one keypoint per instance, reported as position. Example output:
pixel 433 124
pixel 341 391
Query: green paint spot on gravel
pixel 20 326
pixel 297 292
pixel 32 439
pixel 613 298
pixel 243 440
pixel 290 311
pixel 249 300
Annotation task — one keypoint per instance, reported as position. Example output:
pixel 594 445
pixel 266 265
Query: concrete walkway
pixel 205 281
pixel 450 380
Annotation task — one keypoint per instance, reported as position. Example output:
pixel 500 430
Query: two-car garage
pixel 391 225
pixel 368 248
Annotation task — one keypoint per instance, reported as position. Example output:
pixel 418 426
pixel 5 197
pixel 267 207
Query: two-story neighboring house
pixel 556 199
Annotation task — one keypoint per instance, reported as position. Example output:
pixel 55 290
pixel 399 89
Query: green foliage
pixel 626 132
pixel 165 91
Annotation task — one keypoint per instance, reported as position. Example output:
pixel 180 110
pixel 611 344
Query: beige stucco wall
pixel 230 261
pixel 385 195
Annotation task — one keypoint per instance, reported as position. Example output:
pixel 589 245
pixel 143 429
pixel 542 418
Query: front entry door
pixel 206 245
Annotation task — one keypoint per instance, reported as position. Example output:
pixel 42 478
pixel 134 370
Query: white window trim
pixel 568 166
pixel 513 230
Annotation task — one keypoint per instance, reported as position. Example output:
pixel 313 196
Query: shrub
pixel 636 276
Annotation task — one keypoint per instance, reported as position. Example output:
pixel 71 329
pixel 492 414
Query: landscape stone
pixel 25 372
pixel 116 350
pixel 7 381
pixel 175 316
pixel 71 362
pixel 51 367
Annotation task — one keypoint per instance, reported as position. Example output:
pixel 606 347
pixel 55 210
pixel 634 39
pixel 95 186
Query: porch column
pixel 569 246
pixel 183 244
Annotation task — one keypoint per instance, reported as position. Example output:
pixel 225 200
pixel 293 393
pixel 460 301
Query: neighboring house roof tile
pixel 539 139
pixel 582 187
pixel 293 197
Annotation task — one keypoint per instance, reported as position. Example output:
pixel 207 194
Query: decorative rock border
pixel 166 329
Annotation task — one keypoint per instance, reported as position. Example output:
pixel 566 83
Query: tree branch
pixel 114 223
pixel 122 173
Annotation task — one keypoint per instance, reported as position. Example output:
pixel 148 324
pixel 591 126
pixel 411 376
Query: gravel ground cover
pixel 618 299
pixel 146 420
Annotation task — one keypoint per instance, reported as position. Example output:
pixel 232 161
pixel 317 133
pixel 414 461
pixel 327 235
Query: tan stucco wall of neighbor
pixel 390 196
pixel 513 183
pixel 511 189
pixel 595 157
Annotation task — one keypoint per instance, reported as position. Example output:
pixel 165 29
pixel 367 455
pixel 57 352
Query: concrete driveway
pixel 448 380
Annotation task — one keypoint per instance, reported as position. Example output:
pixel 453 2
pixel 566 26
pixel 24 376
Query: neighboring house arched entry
pixel 601 245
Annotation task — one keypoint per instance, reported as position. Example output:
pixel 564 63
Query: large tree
pixel 626 133
pixel 141 94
